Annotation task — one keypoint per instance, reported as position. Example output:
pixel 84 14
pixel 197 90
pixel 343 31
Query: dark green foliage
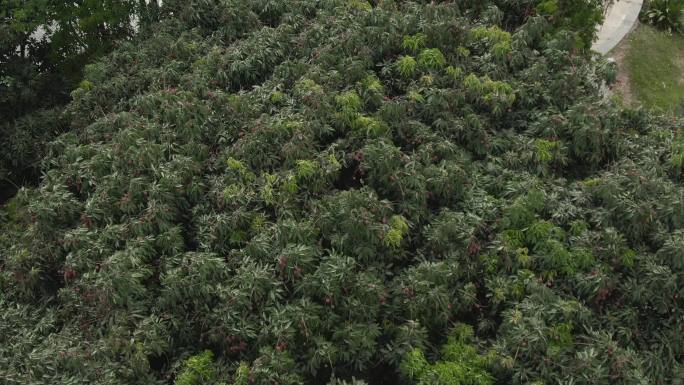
pixel 25 141
pixel 664 14
pixel 319 193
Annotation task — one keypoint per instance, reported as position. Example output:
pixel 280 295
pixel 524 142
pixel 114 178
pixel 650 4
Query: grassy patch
pixel 655 62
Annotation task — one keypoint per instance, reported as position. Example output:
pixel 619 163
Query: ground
pixel 651 69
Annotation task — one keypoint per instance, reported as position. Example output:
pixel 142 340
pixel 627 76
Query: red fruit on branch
pixel 473 247
pixel 69 274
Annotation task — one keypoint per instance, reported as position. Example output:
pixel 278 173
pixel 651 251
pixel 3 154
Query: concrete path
pixel 619 20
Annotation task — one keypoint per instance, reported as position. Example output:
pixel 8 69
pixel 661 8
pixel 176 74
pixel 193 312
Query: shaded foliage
pixel 44 46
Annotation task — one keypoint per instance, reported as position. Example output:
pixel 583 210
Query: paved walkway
pixel 619 20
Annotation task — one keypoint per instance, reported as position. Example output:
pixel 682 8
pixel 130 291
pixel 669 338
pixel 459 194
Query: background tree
pixel 44 46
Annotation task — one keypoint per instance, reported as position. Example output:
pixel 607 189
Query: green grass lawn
pixel 655 62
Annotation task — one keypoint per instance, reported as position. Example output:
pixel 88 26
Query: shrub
pixel 578 16
pixel 431 59
pixel 414 43
pixel 664 14
pixel 198 370
pixel 406 66
pixel 269 194
pixel 460 363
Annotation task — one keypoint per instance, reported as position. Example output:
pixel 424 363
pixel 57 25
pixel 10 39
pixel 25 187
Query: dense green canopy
pixel 340 192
